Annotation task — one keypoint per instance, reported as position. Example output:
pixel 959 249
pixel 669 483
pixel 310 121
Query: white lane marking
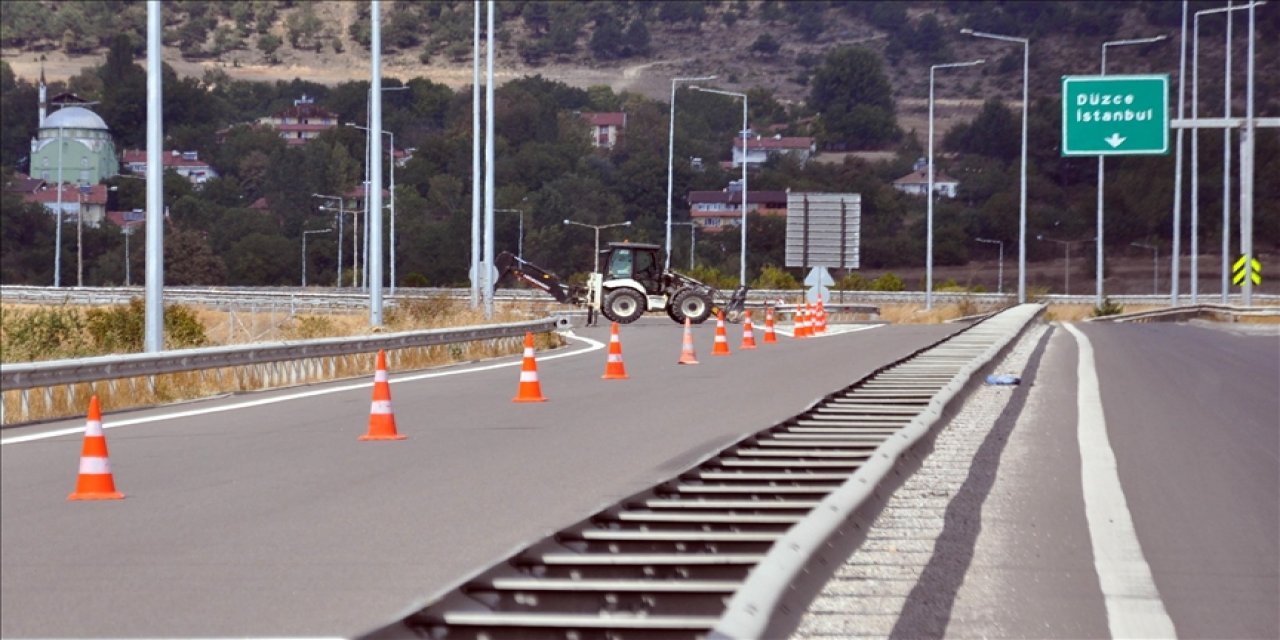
pixel 592 345
pixel 1134 608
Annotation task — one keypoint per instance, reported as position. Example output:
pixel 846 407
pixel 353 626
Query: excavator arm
pixel 536 276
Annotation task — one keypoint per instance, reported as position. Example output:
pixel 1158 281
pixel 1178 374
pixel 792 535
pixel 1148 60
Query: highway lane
pixel 1193 417
pixel 273 520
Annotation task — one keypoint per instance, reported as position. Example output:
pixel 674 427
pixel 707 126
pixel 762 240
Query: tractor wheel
pixel 623 306
pixel 692 305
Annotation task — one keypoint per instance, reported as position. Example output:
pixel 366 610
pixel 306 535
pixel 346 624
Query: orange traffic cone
pixel 530 388
pixel 721 346
pixel 382 421
pixel 801 326
pixel 95 481
pixel 748 334
pixel 613 368
pixel 687 356
pixel 769 335
pixel 822 317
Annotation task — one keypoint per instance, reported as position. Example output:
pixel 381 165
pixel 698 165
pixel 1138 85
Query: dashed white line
pixel 1134 607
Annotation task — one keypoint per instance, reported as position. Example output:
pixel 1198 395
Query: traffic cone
pixel 95 481
pixel 382 421
pixel 530 388
pixel 801 328
pixel 748 334
pixel 769 335
pixel 687 356
pixel 721 346
pixel 822 317
pixel 613 368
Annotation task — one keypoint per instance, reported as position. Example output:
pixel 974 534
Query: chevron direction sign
pixel 1246 268
pixel 1115 115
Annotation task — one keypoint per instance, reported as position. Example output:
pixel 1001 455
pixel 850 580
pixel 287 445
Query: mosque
pixel 86 155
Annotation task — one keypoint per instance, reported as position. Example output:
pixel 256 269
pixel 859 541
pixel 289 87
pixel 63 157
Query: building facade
pixel 712 211
pixel 185 163
pixel 73 145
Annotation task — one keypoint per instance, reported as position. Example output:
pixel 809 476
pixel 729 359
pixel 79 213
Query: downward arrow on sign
pixel 1115 140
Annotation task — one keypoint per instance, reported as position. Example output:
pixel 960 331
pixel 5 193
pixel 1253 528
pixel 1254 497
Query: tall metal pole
pixel 340 217
pixel 374 219
pixel 475 154
pixel 928 260
pixel 363 271
pixel 153 335
pixel 742 262
pixel 127 232
pixel 1176 249
pixel 1022 180
pixel 1194 278
pixel 671 150
pixel 393 211
pixel 1098 268
pixel 1226 164
pixel 80 236
pixel 488 168
pixel 57 213
pixel 1246 164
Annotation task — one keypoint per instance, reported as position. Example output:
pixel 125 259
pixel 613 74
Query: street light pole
pixel 57 232
pixel 80 231
pixel 1066 252
pixel 340 216
pixel 1155 265
pixel 1101 164
pixel 928 265
pixel 1000 271
pixel 304 252
pixel 671 150
pixel 520 236
pixel 597 228
pixel 1022 198
pixel 742 262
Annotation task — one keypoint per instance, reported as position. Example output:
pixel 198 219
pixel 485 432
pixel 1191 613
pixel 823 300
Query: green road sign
pixel 1115 115
pixel 1245 268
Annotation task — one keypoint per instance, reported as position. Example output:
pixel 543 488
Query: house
pixel 93 198
pixel 185 163
pixel 302 122
pixel 24 185
pixel 606 128
pixel 128 221
pixel 711 211
pixel 761 149
pixel 916 183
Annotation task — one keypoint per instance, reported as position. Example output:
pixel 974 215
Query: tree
pixel 853 96
pixel 994 133
pixel 188 259
pixel 607 39
pixel 636 38
pixel 269 43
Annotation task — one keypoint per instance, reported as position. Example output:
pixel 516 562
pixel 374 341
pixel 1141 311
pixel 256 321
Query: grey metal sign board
pixel 824 230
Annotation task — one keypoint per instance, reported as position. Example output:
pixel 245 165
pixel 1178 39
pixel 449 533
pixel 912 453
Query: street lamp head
pixel 967 32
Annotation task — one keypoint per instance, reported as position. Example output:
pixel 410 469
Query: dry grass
pixel 235 328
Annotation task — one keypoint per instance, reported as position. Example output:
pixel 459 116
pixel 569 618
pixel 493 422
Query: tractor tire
pixel 692 305
pixel 623 306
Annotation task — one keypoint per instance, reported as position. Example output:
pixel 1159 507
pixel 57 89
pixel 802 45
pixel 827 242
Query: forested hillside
pixel 852 75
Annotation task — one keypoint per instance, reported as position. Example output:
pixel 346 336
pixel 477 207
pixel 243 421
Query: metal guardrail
pixel 313 299
pixel 78 370
pixel 1180 314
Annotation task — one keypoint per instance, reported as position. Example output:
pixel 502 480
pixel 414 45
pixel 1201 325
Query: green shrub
pixel 772 277
pixel 310 327
pixel 122 329
pixel 852 282
pixel 887 282
pixel 1107 308
pixel 44 333
pixel 422 311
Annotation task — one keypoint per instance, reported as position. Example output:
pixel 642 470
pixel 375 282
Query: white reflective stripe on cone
pixel 380 375
pixel 94 466
pixel 380 406
pixel 93 428
pixel 613 357
pixel 528 353
pixel 528 376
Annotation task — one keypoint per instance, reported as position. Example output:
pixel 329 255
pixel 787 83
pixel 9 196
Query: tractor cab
pixel 638 262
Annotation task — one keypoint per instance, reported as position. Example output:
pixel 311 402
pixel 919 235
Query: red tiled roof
pixel 735 197
pixel 357 192
pixel 131 156
pixel 615 118
pixel 770 144
pixel 70 193
pixel 22 183
pixel 306 110
pixel 127 218
pixel 920 177
pixel 305 127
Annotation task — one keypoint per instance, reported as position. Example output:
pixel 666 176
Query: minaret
pixel 44 105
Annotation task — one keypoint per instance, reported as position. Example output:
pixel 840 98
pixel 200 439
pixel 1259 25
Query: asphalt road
pixel 271 519
pixel 1192 414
